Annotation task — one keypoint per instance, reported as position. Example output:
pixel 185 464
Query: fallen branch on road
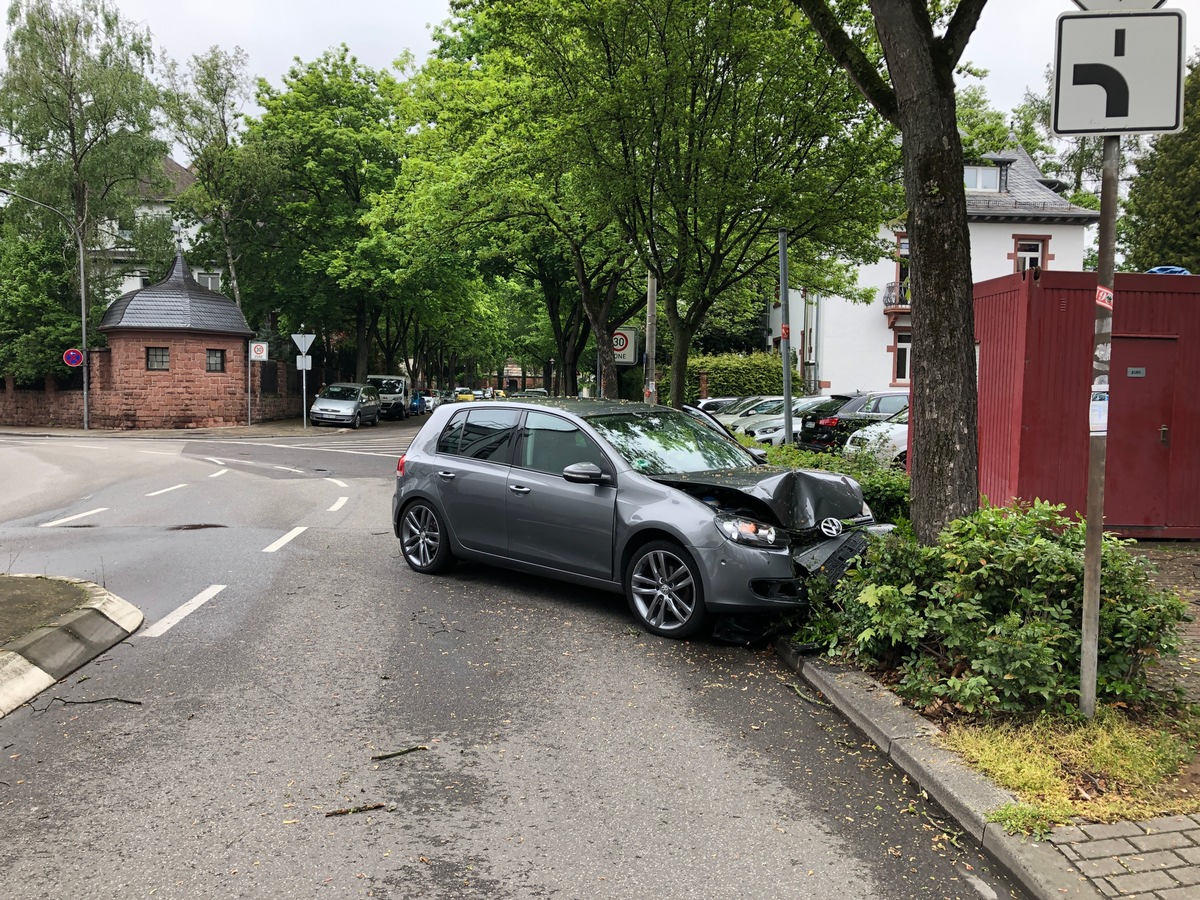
pixel 399 752
pixel 353 809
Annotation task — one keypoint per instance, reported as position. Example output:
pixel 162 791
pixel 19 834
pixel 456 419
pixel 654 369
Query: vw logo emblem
pixel 831 527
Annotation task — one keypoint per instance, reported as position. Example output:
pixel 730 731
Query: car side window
pixel 892 403
pixel 550 444
pixel 487 434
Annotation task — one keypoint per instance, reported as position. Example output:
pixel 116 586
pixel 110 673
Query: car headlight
pixel 770 429
pixel 741 530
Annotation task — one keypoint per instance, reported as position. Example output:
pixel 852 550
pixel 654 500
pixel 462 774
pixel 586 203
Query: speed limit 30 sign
pixel 625 346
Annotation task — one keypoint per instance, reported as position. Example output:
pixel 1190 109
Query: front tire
pixel 423 539
pixel 356 421
pixel 662 585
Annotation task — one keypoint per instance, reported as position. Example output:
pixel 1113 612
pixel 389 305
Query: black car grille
pixel 836 565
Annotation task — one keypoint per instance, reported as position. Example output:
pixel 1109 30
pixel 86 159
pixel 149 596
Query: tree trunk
pixel 945 471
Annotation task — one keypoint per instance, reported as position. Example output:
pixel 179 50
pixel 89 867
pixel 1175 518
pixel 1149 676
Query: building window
pixel 158 359
pixel 981 178
pixel 209 280
pixel 902 268
pixel 902 358
pixel 214 361
pixel 1030 252
pixel 145 279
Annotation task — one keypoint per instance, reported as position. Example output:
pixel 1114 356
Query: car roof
pixel 580 406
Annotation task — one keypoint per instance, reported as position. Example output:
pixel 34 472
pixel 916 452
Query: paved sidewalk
pixel 1156 859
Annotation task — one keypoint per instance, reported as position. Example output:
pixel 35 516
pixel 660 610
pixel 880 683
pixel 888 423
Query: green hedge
pixel 732 375
pixel 988 620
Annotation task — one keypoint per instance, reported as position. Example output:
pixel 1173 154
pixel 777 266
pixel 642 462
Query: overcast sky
pixel 1014 40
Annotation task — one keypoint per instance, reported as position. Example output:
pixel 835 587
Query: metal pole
pixel 77 233
pixel 785 335
pixel 651 337
pixel 248 345
pixel 1098 441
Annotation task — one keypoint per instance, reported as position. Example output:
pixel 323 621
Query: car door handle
pixel 446 476
pixel 1164 434
pixel 518 489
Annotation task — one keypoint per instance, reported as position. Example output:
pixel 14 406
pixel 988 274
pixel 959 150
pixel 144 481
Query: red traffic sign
pixel 73 358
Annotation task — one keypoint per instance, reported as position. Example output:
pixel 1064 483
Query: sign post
pixel 303 342
pixel 259 351
pixel 1116 71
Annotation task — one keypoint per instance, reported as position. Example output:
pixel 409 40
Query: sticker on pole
pixel 73 358
pixel 1104 297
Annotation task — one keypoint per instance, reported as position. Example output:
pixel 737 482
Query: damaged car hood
pixel 797 499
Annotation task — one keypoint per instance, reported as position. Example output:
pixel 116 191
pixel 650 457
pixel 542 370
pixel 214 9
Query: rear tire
pixel 423 539
pixel 662 585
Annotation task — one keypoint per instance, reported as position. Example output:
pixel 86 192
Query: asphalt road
pixel 254 745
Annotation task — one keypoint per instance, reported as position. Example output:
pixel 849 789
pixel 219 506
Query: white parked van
pixel 393 391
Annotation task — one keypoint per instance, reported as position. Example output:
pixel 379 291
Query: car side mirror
pixel 585 473
pixel 759 454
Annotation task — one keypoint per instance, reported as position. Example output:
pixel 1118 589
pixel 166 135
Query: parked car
pixel 643 500
pixel 346 404
pixel 826 426
pixel 769 429
pixel 715 404
pixel 432 399
pixel 752 407
pixel 463 395
pixel 887 440
pixel 393 395
pixel 418 405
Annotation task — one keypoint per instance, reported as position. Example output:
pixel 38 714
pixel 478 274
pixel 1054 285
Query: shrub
pixel 988 620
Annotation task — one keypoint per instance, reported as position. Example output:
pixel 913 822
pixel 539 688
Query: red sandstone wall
pixel 124 394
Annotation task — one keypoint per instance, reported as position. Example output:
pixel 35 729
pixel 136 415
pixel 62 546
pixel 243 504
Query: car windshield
pixel 663 441
pixel 740 405
pixel 388 385
pixel 340 392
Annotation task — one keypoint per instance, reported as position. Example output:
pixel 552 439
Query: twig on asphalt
pixel 84 702
pixel 399 752
pixel 804 695
pixel 353 809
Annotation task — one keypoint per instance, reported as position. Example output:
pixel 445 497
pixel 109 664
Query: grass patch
pixel 1105 770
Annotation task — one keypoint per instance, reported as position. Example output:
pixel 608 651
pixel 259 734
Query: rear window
pixel 825 408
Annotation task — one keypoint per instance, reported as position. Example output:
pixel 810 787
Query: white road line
pixel 213 459
pixel 218 473
pixel 166 490
pixel 341 501
pixel 158 452
pixel 90 512
pixel 165 623
pixel 88 446
pixel 289 469
pixel 295 532
pixel 338 483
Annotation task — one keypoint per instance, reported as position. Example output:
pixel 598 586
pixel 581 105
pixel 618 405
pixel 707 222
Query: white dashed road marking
pixel 165 623
pixel 90 512
pixel 287 537
pixel 166 490
pixel 341 501
pixel 218 473
pixel 335 481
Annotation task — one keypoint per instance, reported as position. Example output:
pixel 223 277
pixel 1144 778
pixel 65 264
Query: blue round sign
pixel 73 358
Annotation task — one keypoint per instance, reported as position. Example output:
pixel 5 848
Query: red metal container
pixel 1034 343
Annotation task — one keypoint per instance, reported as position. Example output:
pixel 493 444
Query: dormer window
pixel 981 178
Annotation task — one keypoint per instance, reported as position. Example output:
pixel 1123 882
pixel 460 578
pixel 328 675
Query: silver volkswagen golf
pixel 650 501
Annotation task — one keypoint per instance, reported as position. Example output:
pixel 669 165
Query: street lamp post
pixel 87 362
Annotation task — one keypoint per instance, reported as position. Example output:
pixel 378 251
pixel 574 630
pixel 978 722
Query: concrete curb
pixel 35 661
pixel 908 740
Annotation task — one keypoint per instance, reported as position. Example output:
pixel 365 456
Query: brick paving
pixel 1155 859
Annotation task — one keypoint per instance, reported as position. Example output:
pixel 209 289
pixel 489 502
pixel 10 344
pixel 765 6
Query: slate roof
pixel 177 302
pixel 1027 198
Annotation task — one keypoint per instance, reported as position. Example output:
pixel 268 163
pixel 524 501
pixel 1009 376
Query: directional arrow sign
pixel 1119 5
pixel 1119 73
pixel 303 341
